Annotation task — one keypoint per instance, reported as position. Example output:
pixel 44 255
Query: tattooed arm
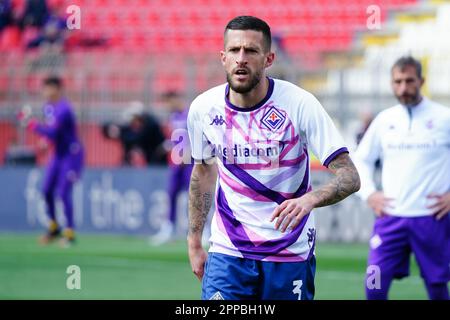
pixel 201 189
pixel 344 183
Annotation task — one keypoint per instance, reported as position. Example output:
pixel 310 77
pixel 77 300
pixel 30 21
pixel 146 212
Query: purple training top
pixel 60 128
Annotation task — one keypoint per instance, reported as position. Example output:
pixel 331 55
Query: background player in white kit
pixel 413 141
pixel 259 129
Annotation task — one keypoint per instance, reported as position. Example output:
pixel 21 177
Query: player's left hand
pixel 442 205
pixel 290 212
pixel 197 256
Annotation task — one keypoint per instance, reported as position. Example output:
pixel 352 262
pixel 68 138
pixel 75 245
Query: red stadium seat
pixel 10 38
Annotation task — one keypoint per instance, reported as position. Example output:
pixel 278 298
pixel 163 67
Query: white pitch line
pixel 354 276
pixel 124 262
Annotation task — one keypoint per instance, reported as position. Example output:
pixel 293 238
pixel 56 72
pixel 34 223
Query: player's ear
pixel 392 83
pixel 422 81
pixel 222 57
pixel 269 59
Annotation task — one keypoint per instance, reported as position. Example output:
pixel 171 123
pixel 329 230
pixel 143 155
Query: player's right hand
pixel 197 257
pixel 378 202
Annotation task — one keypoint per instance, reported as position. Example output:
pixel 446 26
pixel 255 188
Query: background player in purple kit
pixel 66 164
pixel 413 140
pixel 180 163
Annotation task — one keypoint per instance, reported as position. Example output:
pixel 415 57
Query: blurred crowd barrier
pixel 135 201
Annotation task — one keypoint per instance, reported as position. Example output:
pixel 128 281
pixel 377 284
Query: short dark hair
pixel 408 61
pixel 171 94
pixel 251 23
pixel 53 81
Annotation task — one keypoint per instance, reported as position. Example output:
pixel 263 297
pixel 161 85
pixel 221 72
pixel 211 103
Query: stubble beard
pixel 254 80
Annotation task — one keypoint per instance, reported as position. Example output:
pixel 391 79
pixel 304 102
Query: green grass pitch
pixel 126 267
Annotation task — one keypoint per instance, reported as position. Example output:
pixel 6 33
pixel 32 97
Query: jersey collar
pixel 261 103
pixel 418 106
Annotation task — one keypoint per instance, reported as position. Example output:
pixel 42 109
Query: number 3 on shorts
pixel 297 288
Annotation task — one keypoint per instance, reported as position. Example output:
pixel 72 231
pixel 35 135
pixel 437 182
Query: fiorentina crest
pixel 273 119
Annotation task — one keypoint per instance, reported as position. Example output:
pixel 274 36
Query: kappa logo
pixel 273 119
pixel 375 241
pixel 311 236
pixel 217 296
pixel 218 121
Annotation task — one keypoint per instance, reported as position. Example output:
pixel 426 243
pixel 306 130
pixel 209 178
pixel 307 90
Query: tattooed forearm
pixel 200 197
pixel 199 205
pixel 344 183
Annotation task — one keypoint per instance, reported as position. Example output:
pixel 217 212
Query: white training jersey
pixel 262 158
pixel 414 146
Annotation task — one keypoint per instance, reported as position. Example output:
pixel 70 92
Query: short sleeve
pixel 369 149
pixel 323 138
pixel 200 146
pixel 368 152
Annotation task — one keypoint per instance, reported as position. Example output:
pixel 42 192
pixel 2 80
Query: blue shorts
pixel 233 278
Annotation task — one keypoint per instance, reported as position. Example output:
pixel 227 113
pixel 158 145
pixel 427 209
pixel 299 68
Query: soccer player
pixel 180 164
pixel 65 167
pixel 259 129
pixel 413 140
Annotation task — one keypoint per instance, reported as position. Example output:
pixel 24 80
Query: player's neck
pixel 415 103
pixel 252 98
pixel 55 99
